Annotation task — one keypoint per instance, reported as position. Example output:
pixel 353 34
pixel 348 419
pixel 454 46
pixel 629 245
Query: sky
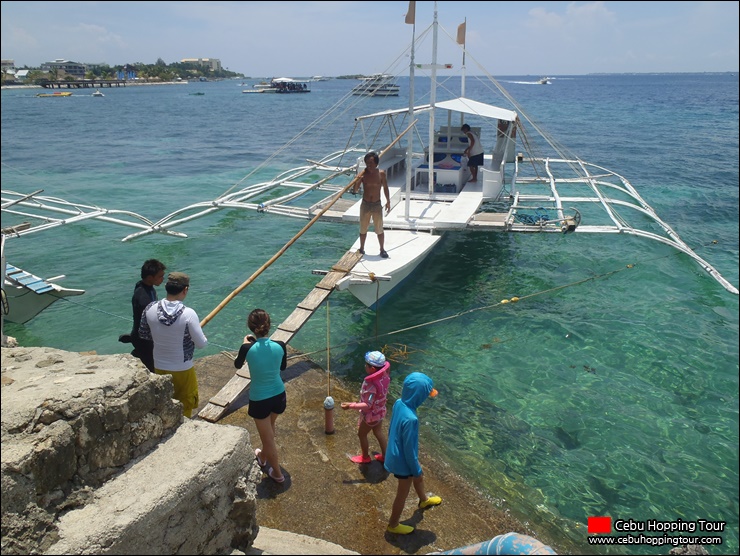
pixel 301 39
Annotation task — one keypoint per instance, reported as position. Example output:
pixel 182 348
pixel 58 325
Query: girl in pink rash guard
pixel 372 405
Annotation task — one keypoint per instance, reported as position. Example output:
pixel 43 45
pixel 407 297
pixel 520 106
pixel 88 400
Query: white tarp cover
pixel 468 106
pixel 288 80
pixel 462 104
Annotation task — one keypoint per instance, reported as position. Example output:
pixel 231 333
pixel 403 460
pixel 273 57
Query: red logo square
pixel 599 525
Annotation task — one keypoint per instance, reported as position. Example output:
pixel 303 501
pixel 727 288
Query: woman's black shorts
pixel 260 409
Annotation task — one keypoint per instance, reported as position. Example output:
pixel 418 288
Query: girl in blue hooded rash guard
pixel 402 454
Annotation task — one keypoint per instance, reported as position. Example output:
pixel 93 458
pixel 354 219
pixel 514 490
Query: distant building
pixel 7 65
pixel 65 67
pixel 213 64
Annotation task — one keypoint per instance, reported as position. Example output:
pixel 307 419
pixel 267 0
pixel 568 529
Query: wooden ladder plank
pixel 314 299
pixel 231 391
pixel 219 404
pixel 295 320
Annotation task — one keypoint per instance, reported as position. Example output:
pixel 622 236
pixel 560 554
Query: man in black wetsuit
pixel 152 274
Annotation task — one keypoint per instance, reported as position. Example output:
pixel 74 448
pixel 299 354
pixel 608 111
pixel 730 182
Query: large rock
pixel 75 422
pixel 189 496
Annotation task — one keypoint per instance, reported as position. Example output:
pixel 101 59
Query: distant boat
pixel 544 81
pixel 97 93
pixel 57 94
pixel 319 78
pixel 197 94
pixel 283 85
pixel 376 85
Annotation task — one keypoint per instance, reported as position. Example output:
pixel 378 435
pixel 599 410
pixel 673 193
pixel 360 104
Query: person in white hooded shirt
pixel 176 332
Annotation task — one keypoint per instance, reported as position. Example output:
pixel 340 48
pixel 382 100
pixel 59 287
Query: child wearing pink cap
pixel 372 405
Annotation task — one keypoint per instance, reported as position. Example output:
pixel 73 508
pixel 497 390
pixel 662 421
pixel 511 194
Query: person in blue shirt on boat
pixel 474 152
pixel 402 453
pixel 372 181
pixel 267 399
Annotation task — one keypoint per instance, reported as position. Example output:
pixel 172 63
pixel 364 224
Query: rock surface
pixel 96 458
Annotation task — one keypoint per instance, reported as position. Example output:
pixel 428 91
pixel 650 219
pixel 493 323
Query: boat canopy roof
pixel 461 104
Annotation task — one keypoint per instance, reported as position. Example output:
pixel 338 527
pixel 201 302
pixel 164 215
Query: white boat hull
pixel 27 295
pixel 406 250
pixel 24 304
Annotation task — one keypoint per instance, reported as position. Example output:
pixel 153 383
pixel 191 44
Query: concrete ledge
pixel 273 541
pixel 184 497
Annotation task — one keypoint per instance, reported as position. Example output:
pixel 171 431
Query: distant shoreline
pixel 128 84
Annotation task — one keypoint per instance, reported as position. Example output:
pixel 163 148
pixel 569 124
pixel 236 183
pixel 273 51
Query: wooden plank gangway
pixel 219 404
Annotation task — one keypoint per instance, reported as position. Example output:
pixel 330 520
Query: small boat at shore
pixel 25 295
pixel 56 94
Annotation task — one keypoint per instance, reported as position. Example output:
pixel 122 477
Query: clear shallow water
pixel 614 396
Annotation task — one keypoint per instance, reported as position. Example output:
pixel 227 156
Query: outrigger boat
pixel 526 184
pixel 25 295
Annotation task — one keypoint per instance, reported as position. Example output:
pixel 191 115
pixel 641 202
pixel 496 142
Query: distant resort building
pixel 214 64
pixel 65 67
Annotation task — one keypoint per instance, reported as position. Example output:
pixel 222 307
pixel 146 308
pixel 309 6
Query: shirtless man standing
pixel 372 203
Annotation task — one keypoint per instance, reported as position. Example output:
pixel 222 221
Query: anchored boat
pixel 526 184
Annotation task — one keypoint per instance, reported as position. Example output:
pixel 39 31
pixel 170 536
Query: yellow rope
pixel 501 303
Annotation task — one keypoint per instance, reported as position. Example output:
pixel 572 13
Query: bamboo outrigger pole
pixel 285 247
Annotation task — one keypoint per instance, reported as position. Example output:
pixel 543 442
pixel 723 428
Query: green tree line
pixel 159 71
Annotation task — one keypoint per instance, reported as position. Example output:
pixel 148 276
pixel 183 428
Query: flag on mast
pixel 461 33
pixel 411 14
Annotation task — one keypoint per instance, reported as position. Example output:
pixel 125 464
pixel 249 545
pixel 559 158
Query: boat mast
pixel 432 100
pixel 410 18
pixel 461 30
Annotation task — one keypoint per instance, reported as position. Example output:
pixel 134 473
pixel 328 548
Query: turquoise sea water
pixel 613 396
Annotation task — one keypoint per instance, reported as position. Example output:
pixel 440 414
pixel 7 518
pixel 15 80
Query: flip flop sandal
pixel 257 453
pixel 277 480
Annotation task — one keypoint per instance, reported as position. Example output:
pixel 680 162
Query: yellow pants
pixel 186 388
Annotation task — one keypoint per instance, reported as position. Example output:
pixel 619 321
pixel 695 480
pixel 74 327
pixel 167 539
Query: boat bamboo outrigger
pixel 527 182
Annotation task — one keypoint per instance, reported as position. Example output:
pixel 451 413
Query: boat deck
pixel 33 283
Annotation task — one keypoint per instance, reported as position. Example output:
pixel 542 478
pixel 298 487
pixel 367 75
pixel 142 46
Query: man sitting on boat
pixel 372 204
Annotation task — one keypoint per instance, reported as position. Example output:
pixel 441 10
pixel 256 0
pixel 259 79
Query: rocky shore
pixel 326 505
